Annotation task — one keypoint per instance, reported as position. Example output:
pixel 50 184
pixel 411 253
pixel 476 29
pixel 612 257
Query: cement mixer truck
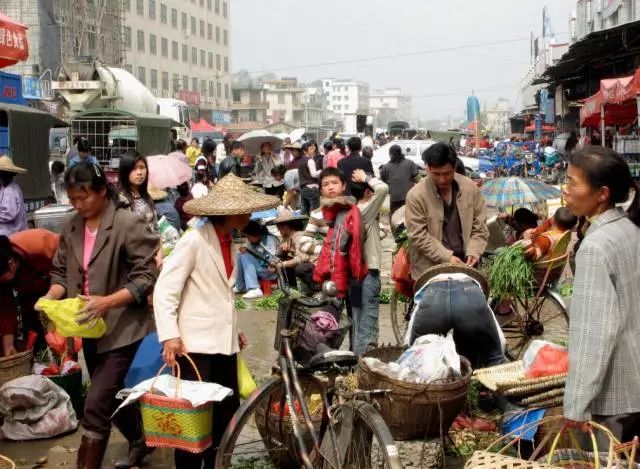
pixel 116 112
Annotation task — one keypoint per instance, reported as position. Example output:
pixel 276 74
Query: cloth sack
pixel 35 407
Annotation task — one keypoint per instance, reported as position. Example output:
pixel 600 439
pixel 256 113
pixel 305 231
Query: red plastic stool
pixel 265 286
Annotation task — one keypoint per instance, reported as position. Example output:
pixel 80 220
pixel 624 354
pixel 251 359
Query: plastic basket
pixel 172 422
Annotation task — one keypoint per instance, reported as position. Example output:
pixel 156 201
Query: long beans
pixel 511 274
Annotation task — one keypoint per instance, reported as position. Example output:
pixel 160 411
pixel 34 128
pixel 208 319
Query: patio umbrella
pixel 13 43
pixel 514 191
pixel 168 170
pixel 252 141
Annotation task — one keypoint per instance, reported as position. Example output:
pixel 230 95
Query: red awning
pixel 619 98
pixel 203 126
pixel 13 42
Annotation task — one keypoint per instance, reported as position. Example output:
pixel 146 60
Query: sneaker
pixel 253 294
pixel 236 290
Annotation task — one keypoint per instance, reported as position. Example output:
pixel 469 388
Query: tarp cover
pixel 29 146
pixel 619 98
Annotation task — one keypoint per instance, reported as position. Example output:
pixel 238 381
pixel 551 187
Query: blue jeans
pixel 250 272
pixel 365 314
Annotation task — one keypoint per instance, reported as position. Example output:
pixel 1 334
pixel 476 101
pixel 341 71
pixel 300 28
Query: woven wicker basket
pixel 486 460
pixel 415 411
pixel 496 376
pixel 15 366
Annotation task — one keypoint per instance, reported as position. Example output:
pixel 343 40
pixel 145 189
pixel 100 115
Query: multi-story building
pixel 496 118
pixel 346 96
pixel 389 104
pixel 249 104
pixel 182 49
pixel 291 102
pixel 597 15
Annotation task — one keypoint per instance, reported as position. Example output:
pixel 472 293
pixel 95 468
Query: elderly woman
pixel 105 256
pixel 604 355
pixel 194 302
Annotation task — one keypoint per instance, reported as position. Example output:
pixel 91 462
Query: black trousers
pixel 278 191
pixel 107 371
pixel 304 272
pixel 220 369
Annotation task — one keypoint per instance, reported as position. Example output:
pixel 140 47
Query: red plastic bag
pixel 58 344
pixel 549 360
pixel 401 272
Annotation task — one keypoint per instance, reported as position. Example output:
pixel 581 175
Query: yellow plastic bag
pixel 63 314
pixel 246 384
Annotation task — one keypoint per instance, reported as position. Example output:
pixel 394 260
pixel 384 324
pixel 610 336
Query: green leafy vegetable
pixel 240 304
pixel 270 302
pixel 511 274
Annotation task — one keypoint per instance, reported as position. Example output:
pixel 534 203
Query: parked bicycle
pixel 302 416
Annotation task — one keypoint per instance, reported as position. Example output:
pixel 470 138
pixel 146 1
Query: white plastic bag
pixel 432 358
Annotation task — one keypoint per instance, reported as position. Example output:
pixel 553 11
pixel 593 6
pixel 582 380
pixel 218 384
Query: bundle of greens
pixel 511 274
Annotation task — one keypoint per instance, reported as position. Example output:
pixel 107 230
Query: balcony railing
pixel 253 105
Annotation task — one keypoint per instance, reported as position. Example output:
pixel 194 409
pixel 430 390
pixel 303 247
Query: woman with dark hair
pixel 252 269
pixel 133 180
pixel 400 174
pixel 194 304
pixel 339 151
pixel 25 265
pixel 604 355
pixel 13 214
pixel 106 257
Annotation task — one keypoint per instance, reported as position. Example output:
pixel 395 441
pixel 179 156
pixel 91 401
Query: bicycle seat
pixel 341 358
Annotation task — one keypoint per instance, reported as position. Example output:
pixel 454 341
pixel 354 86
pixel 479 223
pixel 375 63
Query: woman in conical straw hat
pixel 13 214
pixel 194 301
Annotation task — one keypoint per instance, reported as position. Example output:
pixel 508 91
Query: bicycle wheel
pixel 399 311
pixel 261 431
pixel 363 439
pixel 545 319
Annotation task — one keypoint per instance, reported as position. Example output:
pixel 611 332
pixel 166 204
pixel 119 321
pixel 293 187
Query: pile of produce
pixel 511 274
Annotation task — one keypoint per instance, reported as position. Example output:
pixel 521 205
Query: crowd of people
pixel 329 203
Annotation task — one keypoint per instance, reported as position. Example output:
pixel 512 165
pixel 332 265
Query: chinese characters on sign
pixel 12 39
pixel 13 42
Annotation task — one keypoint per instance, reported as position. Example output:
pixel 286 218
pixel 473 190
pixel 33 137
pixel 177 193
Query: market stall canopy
pixel 618 95
pixel 13 42
pixel 517 192
pixel 28 130
pixel 202 125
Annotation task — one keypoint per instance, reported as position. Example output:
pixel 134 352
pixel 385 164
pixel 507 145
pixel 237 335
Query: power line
pixel 459 93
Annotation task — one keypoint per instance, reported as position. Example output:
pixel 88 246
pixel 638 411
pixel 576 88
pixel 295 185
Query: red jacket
pixel 342 254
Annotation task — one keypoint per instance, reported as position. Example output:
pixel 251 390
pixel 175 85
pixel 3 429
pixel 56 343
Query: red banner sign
pixel 192 98
pixel 13 42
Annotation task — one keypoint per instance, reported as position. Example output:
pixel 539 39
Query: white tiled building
pixel 346 96
pixel 181 49
pixel 390 101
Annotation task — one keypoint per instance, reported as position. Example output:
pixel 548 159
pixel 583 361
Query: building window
pixel 217 35
pixel 202 3
pixel 202 58
pixel 174 17
pixel 210 89
pixel 226 64
pixel 142 75
pixel 127 37
pixel 210 57
pixel 193 25
pixel 225 35
pixel 126 4
pixel 203 87
pixel 202 29
pixel 209 31
pixel 164 47
pixel 194 84
pixel 141 41
pixel 226 91
pixel 185 82
pixel 217 9
pixel 219 90
pixel 165 81
pixel 218 62
pixel 140 7
pixel 194 56
pixel 175 83
pixel 175 54
pixel 92 41
pixel 152 9
pixel 129 68
pixel 280 98
pixel 185 53
pixel 153 78
pixel 163 13
pixel 153 45
pixel 184 21
pixel 224 9
pixel 209 5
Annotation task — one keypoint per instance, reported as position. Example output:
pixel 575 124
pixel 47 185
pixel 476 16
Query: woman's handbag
pixel 171 422
pixel 246 384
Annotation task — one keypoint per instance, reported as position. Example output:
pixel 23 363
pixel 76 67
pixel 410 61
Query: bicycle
pixel 304 415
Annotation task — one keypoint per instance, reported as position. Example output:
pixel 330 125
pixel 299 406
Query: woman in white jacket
pixel 194 302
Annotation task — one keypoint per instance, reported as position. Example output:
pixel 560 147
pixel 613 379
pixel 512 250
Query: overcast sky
pixel 291 37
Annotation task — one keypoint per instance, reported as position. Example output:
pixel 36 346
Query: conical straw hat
pixel 231 196
pixel 6 164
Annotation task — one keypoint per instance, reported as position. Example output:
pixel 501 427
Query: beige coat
pixel 424 215
pixel 123 257
pixel 193 298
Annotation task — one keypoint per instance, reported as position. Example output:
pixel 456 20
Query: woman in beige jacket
pixel 194 302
